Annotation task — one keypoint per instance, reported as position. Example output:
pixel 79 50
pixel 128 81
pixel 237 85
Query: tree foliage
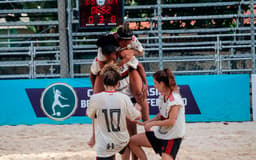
pixel 191 11
pixel 16 17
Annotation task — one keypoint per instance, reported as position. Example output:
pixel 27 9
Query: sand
pixel 203 141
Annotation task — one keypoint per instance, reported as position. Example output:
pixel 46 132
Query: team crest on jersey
pixel 59 101
pixel 122 69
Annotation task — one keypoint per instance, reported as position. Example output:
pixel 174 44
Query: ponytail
pixel 172 82
pixel 166 76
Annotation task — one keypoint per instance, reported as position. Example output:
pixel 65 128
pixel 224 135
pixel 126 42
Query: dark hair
pixel 108 49
pixel 108 44
pixel 166 76
pixel 124 32
pixel 107 39
pixel 111 74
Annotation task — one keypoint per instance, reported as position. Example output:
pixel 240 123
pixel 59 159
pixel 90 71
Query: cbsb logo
pixel 59 101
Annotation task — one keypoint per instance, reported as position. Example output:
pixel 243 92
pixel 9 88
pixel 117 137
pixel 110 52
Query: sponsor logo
pixel 58 101
pixel 84 93
pixel 191 106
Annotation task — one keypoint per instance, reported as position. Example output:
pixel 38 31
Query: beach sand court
pixel 203 141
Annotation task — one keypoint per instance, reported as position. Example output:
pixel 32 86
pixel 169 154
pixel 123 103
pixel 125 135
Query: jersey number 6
pixel 114 119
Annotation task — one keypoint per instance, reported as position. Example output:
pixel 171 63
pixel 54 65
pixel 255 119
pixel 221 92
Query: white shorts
pixel 124 87
pixel 124 84
pixel 95 67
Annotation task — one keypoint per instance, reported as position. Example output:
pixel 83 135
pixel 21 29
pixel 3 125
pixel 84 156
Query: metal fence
pixel 217 49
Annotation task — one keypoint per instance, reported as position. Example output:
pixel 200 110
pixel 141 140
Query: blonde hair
pixel 111 74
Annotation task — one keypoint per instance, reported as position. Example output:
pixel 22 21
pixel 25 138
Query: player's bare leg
pixel 126 154
pixel 137 142
pixel 98 84
pixel 132 129
pixel 166 156
pixel 136 86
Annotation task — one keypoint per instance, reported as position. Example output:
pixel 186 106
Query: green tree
pixel 190 11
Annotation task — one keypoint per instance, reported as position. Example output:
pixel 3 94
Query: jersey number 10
pixel 112 115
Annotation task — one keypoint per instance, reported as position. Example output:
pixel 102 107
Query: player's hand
pixel 140 97
pixel 127 52
pixel 140 123
pixel 126 55
pixel 148 126
pixel 91 142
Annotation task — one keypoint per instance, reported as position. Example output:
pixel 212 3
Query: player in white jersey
pixel 124 84
pixel 109 109
pixel 97 79
pixel 128 48
pixel 168 125
pixel 133 73
pixel 109 51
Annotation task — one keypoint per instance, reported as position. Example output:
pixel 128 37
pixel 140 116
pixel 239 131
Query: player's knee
pixel 139 96
pixel 131 142
pixel 166 156
pixel 133 138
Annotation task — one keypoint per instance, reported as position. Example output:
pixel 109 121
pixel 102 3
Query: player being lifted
pixel 109 51
pixel 133 73
pixel 128 48
pixel 109 109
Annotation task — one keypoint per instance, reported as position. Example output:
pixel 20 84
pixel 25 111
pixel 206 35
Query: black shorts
pixel 160 146
pixel 133 100
pixel 106 158
pixel 111 157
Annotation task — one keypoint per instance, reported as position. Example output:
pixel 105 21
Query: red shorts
pixel 160 146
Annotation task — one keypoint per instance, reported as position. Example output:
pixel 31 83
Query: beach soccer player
pixel 128 48
pixel 109 109
pixel 169 123
pixel 109 51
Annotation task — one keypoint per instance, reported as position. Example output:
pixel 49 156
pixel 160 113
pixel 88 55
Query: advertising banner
pixel 64 101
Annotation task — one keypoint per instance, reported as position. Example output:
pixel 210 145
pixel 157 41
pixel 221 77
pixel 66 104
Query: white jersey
pixel 135 44
pixel 110 110
pixel 124 84
pixel 178 130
